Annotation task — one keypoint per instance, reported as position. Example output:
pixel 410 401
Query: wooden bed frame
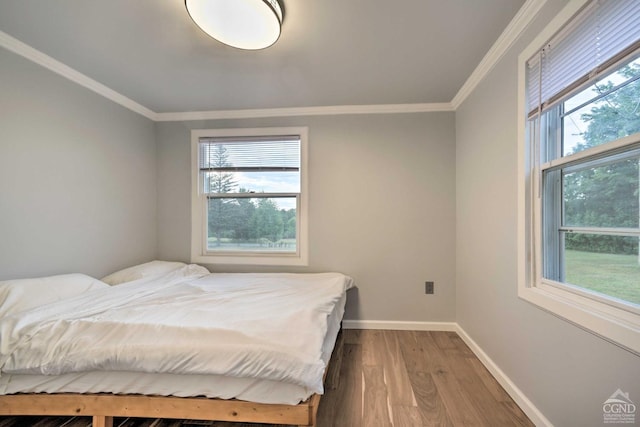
pixel 104 407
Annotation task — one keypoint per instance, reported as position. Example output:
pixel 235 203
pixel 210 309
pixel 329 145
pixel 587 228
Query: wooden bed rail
pixel 104 407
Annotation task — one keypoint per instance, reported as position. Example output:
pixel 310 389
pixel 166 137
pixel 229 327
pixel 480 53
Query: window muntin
pixel 250 205
pixel 570 262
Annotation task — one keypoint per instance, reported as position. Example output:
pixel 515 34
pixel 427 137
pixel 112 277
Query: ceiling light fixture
pixel 245 24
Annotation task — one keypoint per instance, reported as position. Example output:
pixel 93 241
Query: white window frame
pixel 198 204
pixel 615 324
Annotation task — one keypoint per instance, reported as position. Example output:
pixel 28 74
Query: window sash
pixel 603 231
pixel 547 186
pixel 599 155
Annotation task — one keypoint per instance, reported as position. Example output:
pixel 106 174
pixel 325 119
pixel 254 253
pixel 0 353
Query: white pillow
pixel 24 294
pixel 153 268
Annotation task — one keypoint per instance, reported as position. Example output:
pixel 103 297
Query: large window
pixel 580 190
pixel 249 203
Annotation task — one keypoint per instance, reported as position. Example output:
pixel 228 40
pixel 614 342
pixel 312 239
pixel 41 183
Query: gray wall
pixel 566 372
pixel 77 177
pixel 382 206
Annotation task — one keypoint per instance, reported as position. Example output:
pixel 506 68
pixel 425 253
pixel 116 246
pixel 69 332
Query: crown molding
pixel 516 27
pixel 16 46
pixel 305 111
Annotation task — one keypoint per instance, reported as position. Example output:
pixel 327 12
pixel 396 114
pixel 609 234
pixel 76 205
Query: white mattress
pixel 181 385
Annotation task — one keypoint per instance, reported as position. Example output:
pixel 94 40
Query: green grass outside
pixel 614 275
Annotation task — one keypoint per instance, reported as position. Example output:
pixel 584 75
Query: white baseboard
pixel 516 394
pixel 399 325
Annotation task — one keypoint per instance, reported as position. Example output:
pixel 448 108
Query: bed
pixel 170 340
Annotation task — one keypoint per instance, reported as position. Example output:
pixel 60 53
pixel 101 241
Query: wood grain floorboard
pixel 371 341
pixel 385 378
pixel 395 371
pixel 406 416
pixel 375 398
pixel 422 358
pixel 498 393
pixel 431 407
pixel 516 416
pixel 476 393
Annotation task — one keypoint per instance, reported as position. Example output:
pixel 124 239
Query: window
pixel 580 169
pixel 249 196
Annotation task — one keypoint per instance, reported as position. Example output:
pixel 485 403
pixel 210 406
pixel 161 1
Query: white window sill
pixel 262 259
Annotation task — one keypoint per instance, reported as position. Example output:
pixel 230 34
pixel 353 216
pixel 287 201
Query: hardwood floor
pixel 385 378
pixel 410 378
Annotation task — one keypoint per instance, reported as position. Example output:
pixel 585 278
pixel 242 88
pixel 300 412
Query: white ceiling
pixel 330 53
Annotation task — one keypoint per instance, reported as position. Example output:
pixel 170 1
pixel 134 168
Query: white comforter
pixel 268 326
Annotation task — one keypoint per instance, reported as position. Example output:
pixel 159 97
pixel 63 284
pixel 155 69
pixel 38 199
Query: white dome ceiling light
pixel 244 24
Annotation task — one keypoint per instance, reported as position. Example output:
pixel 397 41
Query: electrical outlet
pixel 428 287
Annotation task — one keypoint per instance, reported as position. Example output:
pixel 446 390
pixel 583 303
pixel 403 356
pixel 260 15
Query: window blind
pixel 600 35
pixel 273 153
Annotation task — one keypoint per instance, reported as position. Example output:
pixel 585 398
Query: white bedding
pixel 269 327
pixel 25 294
pixel 214 386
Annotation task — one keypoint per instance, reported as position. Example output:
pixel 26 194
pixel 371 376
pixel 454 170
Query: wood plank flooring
pixel 412 378
pixel 385 379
